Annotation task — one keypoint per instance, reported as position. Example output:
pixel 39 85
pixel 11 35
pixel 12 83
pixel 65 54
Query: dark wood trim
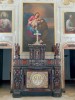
pixel 69 81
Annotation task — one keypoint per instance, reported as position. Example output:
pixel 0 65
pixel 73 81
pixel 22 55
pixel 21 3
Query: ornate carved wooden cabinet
pixel 37 75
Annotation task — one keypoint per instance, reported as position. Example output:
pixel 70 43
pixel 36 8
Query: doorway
pixel 69 63
pixel 72 64
pixel 1 65
pixel 5 67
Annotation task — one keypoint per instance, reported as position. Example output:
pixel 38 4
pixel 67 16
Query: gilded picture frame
pixel 47 13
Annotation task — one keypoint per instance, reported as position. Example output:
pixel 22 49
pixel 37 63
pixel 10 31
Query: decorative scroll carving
pixel 66 2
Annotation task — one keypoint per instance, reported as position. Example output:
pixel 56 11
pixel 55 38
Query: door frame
pixel 8 45
pixel 68 45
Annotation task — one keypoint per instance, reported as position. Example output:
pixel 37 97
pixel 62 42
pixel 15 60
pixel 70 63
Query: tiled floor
pixel 68 95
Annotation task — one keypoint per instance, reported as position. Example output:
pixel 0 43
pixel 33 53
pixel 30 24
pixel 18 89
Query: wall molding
pixel 66 2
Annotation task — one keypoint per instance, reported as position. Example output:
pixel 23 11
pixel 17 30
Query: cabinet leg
pixel 16 94
pixel 57 93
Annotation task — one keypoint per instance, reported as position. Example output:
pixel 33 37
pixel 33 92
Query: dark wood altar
pixel 37 75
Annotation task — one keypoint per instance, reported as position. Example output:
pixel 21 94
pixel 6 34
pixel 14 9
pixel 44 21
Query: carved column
pixel 57 79
pixel 18 81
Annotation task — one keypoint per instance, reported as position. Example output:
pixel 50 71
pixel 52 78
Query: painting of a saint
pixel 38 17
pixel 5 21
pixel 69 22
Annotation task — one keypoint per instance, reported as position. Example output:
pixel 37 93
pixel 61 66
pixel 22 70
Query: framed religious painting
pixel 6 21
pixel 69 22
pixel 40 17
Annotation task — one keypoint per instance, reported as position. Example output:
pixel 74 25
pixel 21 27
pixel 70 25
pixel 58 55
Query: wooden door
pixel 72 63
pixel 1 64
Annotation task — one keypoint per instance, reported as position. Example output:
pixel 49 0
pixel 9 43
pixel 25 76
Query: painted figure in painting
pixel 70 24
pixel 36 23
pixel 43 28
pixel 5 23
pixel 33 22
